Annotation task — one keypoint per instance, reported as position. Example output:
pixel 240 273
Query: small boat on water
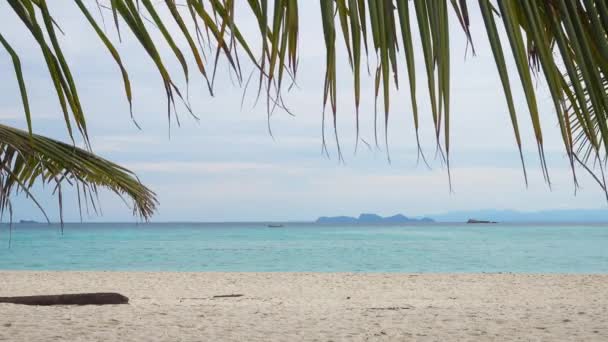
pixel 474 221
pixel 275 226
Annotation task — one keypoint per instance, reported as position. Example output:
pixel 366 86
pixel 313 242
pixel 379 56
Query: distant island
pixel 371 219
pixel 27 221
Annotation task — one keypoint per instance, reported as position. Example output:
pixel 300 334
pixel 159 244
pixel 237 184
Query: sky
pixel 227 167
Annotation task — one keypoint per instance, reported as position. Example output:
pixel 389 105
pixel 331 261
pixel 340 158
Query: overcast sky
pixel 228 168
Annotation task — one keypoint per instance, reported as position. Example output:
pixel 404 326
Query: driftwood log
pixel 69 299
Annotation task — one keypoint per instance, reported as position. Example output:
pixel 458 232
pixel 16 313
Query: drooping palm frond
pixel 568 41
pixel 564 41
pixel 29 159
pixel 585 125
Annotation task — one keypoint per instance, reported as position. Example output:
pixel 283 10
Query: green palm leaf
pixel 564 41
pixel 27 159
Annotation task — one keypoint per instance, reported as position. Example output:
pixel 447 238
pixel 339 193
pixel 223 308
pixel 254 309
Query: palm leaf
pixel 564 41
pixel 28 159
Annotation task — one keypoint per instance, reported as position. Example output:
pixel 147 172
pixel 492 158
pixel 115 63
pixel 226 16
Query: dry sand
pixel 311 306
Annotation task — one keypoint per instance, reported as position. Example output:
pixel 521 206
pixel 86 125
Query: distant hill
pixel 505 216
pixel 371 219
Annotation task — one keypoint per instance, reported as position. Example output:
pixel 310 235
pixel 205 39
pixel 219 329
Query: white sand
pixel 310 306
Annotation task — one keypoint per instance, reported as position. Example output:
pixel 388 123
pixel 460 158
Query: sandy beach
pixel 310 307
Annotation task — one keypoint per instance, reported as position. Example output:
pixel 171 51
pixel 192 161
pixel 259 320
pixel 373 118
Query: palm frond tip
pixel 26 160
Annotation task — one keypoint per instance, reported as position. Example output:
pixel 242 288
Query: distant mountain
pixel 493 215
pixel 370 219
pixel 548 216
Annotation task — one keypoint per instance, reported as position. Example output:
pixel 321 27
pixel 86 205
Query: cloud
pixel 189 167
pixel 20 116
pixel 122 143
pixel 10 116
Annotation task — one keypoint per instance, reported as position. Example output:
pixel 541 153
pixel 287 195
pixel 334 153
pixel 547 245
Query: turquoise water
pixel 305 248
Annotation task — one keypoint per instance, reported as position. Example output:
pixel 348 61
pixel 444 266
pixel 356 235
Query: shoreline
pixel 167 306
pixel 302 273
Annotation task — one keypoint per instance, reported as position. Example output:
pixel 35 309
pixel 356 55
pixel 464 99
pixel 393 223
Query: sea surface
pixel 254 247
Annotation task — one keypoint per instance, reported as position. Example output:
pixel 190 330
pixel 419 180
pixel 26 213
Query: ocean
pixel 254 247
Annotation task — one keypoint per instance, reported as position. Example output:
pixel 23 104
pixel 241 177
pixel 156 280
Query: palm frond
pixel 564 41
pixel 29 159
